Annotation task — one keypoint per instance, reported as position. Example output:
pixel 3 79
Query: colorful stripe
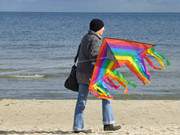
pixel 127 53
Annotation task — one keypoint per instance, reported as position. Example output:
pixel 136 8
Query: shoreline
pixel 73 96
pixel 142 117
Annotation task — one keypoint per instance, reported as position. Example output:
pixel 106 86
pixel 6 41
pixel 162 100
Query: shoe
pixel 111 127
pixel 83 131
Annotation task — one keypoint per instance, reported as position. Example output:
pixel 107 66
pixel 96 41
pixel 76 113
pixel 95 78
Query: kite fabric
pixel 115 53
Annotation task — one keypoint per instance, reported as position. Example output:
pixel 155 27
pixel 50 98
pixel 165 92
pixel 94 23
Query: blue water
pixel 37 50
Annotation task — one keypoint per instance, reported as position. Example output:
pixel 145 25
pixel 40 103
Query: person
pixel 88 52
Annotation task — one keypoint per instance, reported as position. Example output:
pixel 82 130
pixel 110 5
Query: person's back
pixel 88 52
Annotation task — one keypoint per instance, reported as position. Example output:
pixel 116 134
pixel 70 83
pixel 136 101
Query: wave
pixel 7 69
pixel 30 76
pixel 35 76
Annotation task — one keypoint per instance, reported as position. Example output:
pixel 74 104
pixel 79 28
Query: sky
pixel 91 5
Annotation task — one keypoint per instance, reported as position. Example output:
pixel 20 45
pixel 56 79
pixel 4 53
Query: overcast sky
pixel 91 5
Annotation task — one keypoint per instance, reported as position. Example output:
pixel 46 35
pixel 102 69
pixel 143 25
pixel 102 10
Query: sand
pixel 45 117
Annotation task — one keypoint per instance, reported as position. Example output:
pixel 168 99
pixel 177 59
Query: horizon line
pixel 89 12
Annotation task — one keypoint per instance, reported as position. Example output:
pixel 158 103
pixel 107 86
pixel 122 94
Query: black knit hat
pixel 96 24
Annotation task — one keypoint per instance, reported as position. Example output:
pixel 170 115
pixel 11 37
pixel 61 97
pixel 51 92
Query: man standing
pixel 88 52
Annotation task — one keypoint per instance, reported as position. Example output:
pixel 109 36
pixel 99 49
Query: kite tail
pixel 100 90
pixel 131 83
pixel 119 78
pixel 159 57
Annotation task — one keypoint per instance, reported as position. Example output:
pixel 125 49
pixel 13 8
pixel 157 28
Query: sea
pixel 37 51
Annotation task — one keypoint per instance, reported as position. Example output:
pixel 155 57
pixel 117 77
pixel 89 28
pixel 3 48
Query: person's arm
pixel 94 50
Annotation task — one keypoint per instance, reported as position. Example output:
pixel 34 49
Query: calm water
pixel 37 50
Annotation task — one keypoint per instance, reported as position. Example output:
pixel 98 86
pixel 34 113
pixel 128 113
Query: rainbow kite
pixel 115 53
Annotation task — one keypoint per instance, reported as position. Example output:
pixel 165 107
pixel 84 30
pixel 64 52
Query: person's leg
pixel 108 117
pixel 80 106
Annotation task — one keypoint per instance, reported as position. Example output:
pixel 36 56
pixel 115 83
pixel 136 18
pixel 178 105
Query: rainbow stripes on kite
pixel 115 53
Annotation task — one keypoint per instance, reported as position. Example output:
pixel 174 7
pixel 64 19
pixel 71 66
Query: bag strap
pixel 76 57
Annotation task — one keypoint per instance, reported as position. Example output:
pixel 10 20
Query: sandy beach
pixel 137 117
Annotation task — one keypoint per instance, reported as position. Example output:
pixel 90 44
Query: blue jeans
pixel 108 117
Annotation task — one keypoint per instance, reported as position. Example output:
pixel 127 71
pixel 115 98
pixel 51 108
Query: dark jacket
pixel 89 48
